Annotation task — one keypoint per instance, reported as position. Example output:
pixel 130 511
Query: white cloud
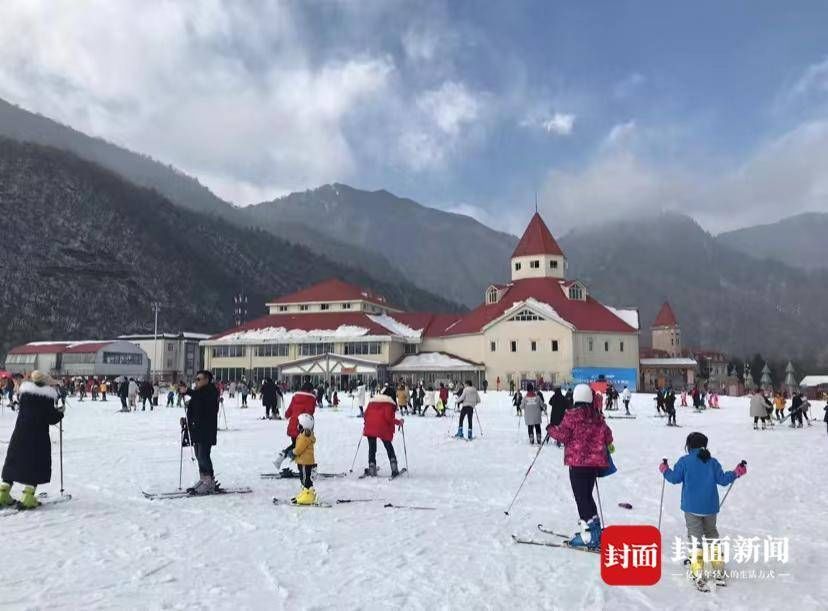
pixel 620 132
pixel 557 124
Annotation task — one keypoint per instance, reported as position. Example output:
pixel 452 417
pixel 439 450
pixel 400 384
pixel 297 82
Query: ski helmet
pixel 306 421
pixel 582 394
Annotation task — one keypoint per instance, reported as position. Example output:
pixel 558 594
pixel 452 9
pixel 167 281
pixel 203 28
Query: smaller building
pixel 432 368
pixel 815 387
pixel 108 358
pixel 178 354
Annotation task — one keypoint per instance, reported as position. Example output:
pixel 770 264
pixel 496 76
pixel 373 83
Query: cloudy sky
pixel 604 109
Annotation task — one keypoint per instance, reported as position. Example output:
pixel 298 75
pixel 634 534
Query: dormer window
pixel 303 308
pixel 492 296
pixel 325 306
pixel 283 308
pixel 576 291
pixel 553 264
pixel 346 306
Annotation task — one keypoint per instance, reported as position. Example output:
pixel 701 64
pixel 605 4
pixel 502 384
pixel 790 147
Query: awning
pixel 329 364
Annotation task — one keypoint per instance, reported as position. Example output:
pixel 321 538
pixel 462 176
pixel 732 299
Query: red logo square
pixel 631 555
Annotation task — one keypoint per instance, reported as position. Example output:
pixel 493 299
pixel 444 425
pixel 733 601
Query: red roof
pixel 665 317
pixel 310 322
pixel 537 240
pixel 432 325
pixel 53 348
pixel 587 315
pixel 332 290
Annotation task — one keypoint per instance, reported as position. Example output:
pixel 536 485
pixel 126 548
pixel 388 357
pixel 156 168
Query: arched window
pixel 576 291
pixel 492 298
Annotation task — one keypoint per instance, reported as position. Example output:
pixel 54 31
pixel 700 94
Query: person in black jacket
pixel 29 456
pixel 270 398
pixel 559 405
pixel 202 419
pixel 123 393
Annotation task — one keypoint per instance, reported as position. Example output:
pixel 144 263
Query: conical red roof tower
pixel 537 240
pixel 666 317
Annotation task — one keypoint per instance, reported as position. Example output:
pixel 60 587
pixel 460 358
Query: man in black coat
pixel 123 393
pixel 559 405
pixel 270 398
pixel 29 455
pixel 202 420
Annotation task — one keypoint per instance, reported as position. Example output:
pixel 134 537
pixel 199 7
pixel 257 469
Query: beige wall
pixel 333 306
pixel 544 271
pixel 667 339
pixel 598 357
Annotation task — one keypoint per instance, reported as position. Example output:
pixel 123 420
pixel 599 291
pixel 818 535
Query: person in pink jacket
pixel 587 441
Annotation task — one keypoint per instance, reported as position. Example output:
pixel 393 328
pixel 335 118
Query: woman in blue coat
pixel 29 457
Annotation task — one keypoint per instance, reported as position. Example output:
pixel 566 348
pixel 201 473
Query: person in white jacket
pixel 626 395
pixel 468 400
pixel 360 399
pixel 430 400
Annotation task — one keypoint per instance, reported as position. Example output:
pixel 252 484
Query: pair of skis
pixel 293 475
pixel 393 477
pixel 43 498
pixel 563 543
pixel 324 505
pixel 183 494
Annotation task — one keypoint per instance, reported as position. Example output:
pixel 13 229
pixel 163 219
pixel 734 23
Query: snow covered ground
pixel 111 548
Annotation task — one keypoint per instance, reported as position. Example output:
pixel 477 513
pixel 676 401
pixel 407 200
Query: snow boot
pixel 394 470
pixel 459 433
pixel 532 439
pixel 6 499
pixel 755 427
pixel 29 501
pixel 582 538
pixel 371 471
pixel 307 496
pixel 470 434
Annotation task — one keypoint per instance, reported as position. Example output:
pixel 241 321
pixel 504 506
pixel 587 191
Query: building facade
pixel 178 354
pixel 88 358
pixel 541 326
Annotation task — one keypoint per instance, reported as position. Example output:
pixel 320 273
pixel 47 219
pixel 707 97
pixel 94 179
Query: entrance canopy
pixel 326 365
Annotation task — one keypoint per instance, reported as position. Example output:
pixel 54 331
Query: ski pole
pixel 526 476
pixel 351 470
pixel 479 426
pixel 600 506
pixel 60 429
pixel 405 449
pixel 661 502
pixel 744 464
pixel 181 459
pixel 224 414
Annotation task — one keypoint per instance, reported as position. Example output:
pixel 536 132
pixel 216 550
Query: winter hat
pixel 306 421
pixel 41 379
pixel 582 394
pixel 307 387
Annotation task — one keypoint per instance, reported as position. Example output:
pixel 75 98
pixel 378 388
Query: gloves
pixel 663 466
pixel 740 470
pixel 611 448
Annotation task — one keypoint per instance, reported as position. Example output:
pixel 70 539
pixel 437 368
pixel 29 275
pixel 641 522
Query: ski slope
pixel 111 548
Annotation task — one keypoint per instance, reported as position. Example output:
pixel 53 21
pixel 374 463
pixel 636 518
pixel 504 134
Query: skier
pixel 132 389
pixel 360 399
pixel 659 399
pixel 380 418
pixel 29 455
pixel 559 405
pixel 170 397
pixel 270 398
pixel 244 390
pixel 335 399
pixel 202 420
pixel 779 406
pixel 123 393
pixel 402 398
pixel 699 473
pixel 532 414
pixel 825 418
pixel 485 386
pixel 757 409
pixel 303 402
pixel 145 392
pixel 444 396
pixel 468 400
pixel 305 460
pixel 517 401
pixel 429 401
pixel 587 443
pixel 670 406
pixel 625 397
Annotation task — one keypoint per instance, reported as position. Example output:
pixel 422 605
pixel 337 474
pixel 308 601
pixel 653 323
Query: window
pixel 272 350
pixel 325 306
pixel 534 264
pixel 606 346
pixel 21 358
pixel 492 346
pixel 346 306
pixel 553 264
pixel 169 363
pixel 260 373
pixel 492 296
pixel 227 351
pixel 533 346
pixel 411 349
pixel 513 346
pixel 589 344
pixel 554 345
pixel 517 267
pixel 576 292
pixel 525 315
pixel 622 346
pixel 170 347
pixel 229 374
pixel 283 308
pixel 117 358
pixel 303 308
pixel 363 348
pixel 314 349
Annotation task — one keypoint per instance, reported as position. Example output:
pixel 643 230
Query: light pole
pixel 155 306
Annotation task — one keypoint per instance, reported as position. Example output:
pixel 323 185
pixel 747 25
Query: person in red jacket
pixel 444 395
pixel 303 402
pixel 380 418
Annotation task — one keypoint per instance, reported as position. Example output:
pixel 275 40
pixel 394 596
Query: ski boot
pixel 29 501
pixel 595 531
pixel 282 457
pixel 307 496
pixel 6 499
pixel 696 574
pixel 717 564
pixel 459 434
pixel 532 439
pixel 206 485
pixel 470 434
pixel 371 470
pixel 583 537
pixel 394 470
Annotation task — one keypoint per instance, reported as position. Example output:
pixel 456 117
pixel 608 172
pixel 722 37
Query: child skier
pixel 532 414
pixel 303 402
pixel 379 421
pixel 587 443
pixel 625 397
pixel 517 401
pixel 29 455
pixel 699 473
pixel 305 460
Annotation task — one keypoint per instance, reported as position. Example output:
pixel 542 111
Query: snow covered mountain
pixel 84 253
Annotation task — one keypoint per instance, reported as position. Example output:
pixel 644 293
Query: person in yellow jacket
pixel 104 388
pixel 779 405
pixel 402 398
pixel 305 460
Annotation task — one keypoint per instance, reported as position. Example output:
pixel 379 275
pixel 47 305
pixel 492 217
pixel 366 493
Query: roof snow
pixel 431 361
pixel 628 315
pixel 541 307
pixel 809 381
pixel 281 334
pixel 669 362
pixel 395 326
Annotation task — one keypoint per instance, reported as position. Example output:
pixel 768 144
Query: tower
pixel 538 255
pixel 666 332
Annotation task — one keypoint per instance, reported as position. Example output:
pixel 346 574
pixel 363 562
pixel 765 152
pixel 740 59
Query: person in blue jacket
pixel 700 473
